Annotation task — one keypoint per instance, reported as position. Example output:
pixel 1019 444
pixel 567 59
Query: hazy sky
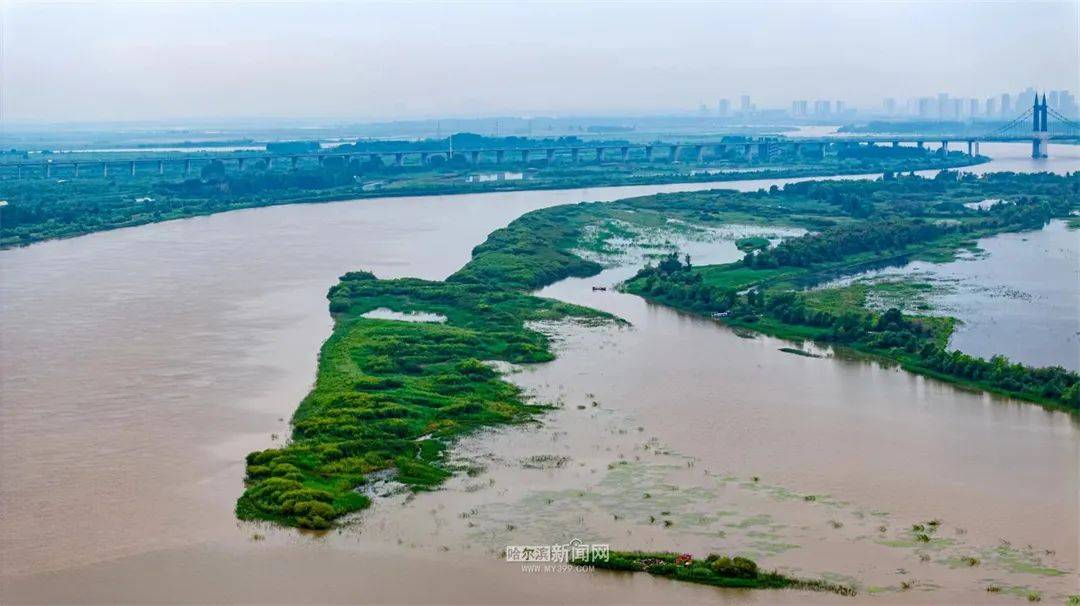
pixel 174 60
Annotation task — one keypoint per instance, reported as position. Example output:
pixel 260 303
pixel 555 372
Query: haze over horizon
pixel 382 61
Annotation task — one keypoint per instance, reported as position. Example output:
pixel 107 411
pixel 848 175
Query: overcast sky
pixel 97 61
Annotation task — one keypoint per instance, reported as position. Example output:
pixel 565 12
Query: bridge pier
pixel 574 154
pixel 294 160
pixel 475 156
pixel 549 155
pixel 424 158
pixel 240 164
pixel 1038 146
pixel 187 167
pixel 748 151
pixel 599 154
pixel 944 148
pixel 896 144
pixel 796 149
pixel 699 154
pixel 131 168
pixel 624 153
pixel 76 167
pixel 921 144
pixel 648 153
pixel 674 153
pixel 104 169
pixel 499 155
pixel 976 148
pixel 971 147
pixel 161 167
pixel 269 162
pixel 524 156
pixel 48 169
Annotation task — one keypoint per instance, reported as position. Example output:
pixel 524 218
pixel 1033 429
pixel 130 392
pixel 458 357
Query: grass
pixel 391 395
pixel 719 571
pixel 751 243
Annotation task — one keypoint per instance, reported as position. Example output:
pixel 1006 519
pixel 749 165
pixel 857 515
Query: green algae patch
pixel 716 570
pixel 1024 561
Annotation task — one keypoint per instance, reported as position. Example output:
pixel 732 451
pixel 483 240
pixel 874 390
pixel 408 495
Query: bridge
pixel 1040 134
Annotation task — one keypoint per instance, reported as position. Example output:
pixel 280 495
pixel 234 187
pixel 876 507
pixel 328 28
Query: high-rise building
pixel 991 107
pixel 889 105
pixel 973 107
pixel 744 104
pixel 723 107
pixel 942 105
pixel 1055 98
pixel 1025 99
pixel 822 107
pixel 956 111
pixel 1067 104
pixel 924 107
pixel 1006 105
pixel 798 107
pixel 839 106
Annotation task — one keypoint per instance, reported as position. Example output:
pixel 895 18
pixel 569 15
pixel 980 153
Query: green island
pixel 64 206
pixel 716 570
pixel 765 291
pixel 391 395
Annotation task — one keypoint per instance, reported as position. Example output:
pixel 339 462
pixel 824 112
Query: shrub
pixel 736 568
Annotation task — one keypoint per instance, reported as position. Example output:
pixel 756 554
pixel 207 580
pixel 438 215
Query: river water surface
pixel 141 365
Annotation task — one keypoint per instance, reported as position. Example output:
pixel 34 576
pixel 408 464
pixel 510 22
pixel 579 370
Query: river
pixel 141 365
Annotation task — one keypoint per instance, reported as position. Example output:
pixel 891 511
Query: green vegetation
pixel 762 291
pixel 752 243
pixel 720 571
pixel 64 206
pixel 389 394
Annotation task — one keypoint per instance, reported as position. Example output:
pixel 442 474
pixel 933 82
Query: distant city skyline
pixel 940 106
pixel 165 61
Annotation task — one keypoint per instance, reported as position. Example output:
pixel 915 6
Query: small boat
pixel 599 288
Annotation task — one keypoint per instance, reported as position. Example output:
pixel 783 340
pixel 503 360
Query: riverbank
pixel 40 210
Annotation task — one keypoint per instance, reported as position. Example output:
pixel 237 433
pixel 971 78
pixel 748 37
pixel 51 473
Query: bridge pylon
pixel 1040 131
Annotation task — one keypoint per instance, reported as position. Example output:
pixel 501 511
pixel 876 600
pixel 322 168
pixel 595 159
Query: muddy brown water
pixel 141 365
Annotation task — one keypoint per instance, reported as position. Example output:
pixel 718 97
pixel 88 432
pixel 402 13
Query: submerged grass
pixel 719 571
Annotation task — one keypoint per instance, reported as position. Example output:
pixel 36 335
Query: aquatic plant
pixel 721 571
